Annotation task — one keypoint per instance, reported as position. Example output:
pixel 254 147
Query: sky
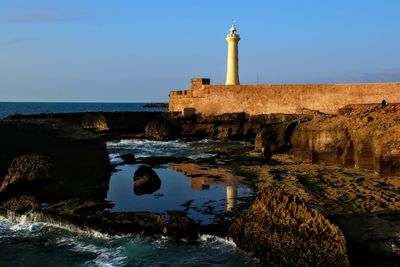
pixel 137 51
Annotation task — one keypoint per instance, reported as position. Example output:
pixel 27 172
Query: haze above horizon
pixel 137 51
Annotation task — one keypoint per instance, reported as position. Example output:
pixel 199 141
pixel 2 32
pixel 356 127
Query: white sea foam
pixel 105 255
pixel 31 227
pixel 37 222
pixel 115 158
pixel 213 240
pixel 202 156
pixel 146 148
pixel 91 251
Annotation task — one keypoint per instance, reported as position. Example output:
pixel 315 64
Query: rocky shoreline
pixel 55 167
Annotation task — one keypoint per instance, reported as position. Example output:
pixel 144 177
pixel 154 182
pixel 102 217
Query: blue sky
pixel 137 51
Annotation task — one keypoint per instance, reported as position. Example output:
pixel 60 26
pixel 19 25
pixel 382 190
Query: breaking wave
pixel 30 243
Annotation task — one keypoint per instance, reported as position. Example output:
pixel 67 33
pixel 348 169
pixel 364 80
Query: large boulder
pixel 145 181
pixel 27 169
pixel 280 230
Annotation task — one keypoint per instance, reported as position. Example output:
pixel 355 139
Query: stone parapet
pixel 280 98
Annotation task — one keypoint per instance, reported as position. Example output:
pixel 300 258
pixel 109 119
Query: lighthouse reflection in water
pixel 202 192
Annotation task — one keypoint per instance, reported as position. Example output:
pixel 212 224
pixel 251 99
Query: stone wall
pixel 289 98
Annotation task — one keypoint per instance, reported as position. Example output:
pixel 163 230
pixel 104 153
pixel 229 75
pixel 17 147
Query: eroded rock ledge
pixel 361 136
pixel 168 126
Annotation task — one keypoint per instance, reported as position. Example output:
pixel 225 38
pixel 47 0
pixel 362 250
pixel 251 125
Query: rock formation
pixel 167 126
pixel 145 181
pixel 128 158
pixel 25 170
pixel 79 159
pixel 158 130
pixel 363 136
pixel 282 231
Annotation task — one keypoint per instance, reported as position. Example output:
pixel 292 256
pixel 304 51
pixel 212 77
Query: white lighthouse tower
pixel 232 71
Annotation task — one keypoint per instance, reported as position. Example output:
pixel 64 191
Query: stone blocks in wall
pixel 198 82
pixel 267 99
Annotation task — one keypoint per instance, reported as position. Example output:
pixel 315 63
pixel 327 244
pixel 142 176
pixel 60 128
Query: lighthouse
pixel 232 70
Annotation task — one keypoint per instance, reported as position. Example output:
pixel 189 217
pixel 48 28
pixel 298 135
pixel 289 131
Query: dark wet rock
pixel 376 233
pixel 180 226
pixel 25 170
pixel 281 231
pixel 132 223
pixel 115 124
pixel 158 130
pixel 146 181
pixel 168 126
pixel 91 215
pixel 20 204
pixel 128 158
pixel 79 159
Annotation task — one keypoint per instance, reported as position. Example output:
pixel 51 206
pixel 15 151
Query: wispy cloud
pixel 388 75
pixel 42 14
pixel 14 41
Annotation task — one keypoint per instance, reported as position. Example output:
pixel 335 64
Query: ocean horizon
pixel 27 108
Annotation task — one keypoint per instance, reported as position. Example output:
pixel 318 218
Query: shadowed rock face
pixel 167 126
pixel 79 159
pixel 241 126
pixel 118 122
pixel 374 236
pixel 281 231
pixel 25 170
pixel 159 130
pixel 366 137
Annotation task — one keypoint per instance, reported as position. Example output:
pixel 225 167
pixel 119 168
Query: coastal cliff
pixel 170 126
pixel 361 136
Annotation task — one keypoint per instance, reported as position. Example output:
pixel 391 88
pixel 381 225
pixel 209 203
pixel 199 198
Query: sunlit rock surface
pixel 282 231
pixel 366 137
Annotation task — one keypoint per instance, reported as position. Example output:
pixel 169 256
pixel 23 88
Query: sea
pixel 26 108
pixel 35 243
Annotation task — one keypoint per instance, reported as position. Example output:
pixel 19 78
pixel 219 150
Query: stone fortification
pixel 286 98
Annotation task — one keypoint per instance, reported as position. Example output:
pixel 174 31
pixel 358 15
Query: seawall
pixel 289 98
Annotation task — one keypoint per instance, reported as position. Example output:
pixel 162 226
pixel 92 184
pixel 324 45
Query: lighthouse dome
pixel 232 29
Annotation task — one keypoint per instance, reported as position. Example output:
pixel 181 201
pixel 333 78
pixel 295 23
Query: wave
pixel 217 240
pixel 88 249
pixel 104 255
pixel 147 148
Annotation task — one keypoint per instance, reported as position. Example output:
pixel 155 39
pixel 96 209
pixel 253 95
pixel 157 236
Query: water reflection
pixel 231 195
pixel 200 191
pixel 202 177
